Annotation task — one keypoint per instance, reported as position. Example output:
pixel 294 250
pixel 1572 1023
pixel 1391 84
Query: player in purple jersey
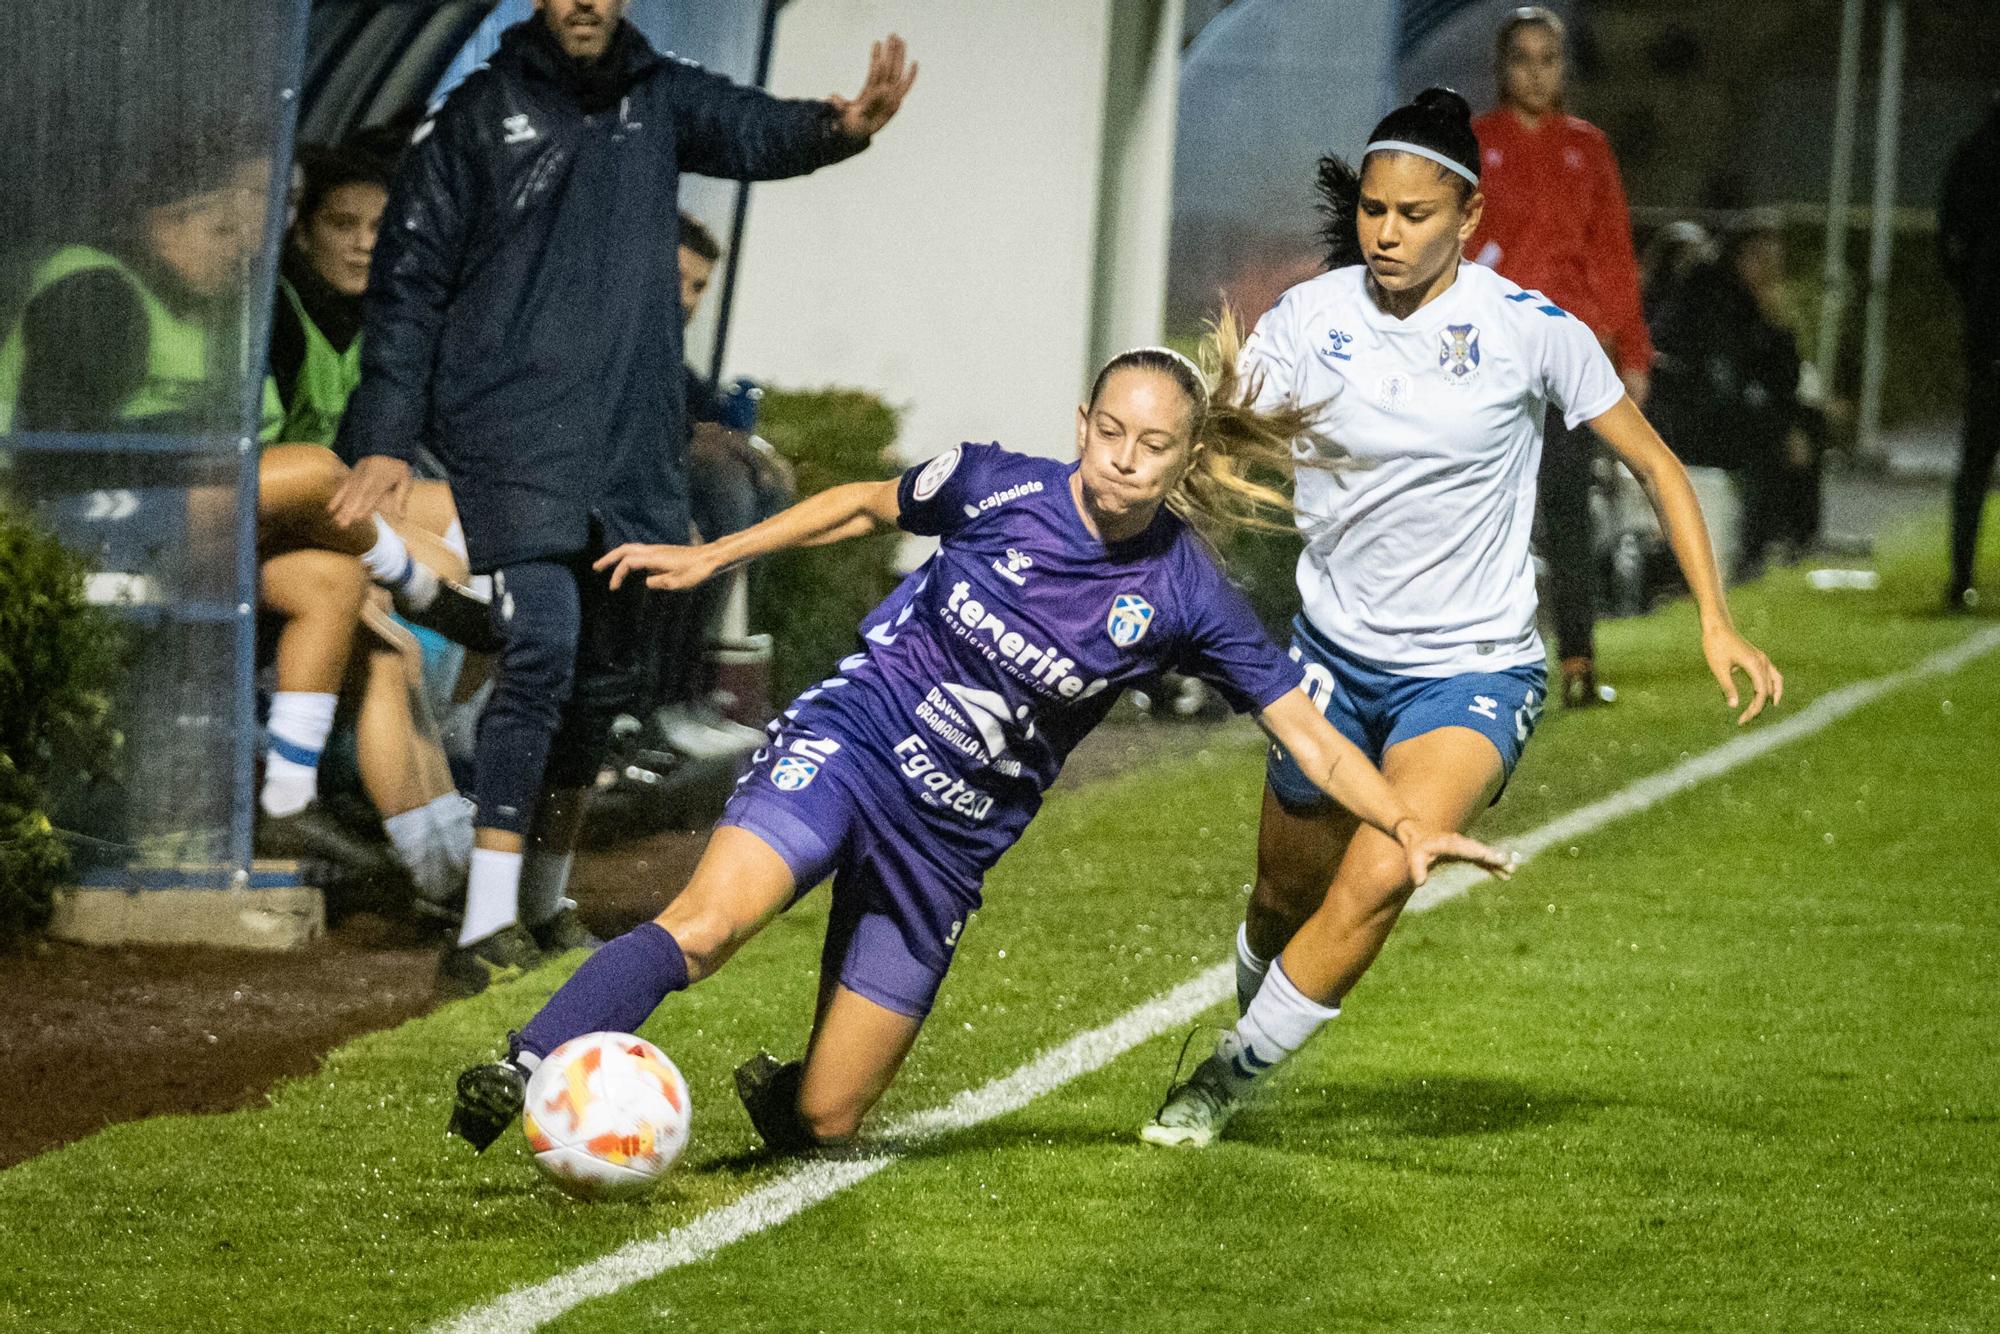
pixel 909 773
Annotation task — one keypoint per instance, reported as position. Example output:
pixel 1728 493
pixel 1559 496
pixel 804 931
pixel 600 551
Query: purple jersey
pixel 986 666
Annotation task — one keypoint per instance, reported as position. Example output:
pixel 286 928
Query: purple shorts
pixel 900 895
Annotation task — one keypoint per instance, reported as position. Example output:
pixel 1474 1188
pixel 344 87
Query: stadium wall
pixel 1006 232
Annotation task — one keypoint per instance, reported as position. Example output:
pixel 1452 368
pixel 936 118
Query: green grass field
pixel 1728 1064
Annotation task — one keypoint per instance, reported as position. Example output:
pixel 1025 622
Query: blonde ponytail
pixel 1245 455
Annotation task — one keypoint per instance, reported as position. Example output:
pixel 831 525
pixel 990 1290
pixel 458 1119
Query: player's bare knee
pixel 707 937
pixel 1384 878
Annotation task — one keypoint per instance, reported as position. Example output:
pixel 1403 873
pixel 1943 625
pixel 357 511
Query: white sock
pixel 544 877
pixel 390 564
pixel 300 723
pixel 491 891
pixel 1250 970
pixel 1279 1021
pixel 451 831
pixel 416 846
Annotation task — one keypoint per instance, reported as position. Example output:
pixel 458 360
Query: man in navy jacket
pixel 523 323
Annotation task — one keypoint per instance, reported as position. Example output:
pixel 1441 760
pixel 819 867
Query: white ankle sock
pixel 390 564
pixel 1279 1021
pixel 491 893
pixel 1250 970
pixel 544 877
pixel 451 828
pixel 417 849
pixel 299 725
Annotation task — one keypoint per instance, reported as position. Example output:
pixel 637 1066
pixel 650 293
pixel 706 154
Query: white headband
pixel 1194 371
pixel 1404 146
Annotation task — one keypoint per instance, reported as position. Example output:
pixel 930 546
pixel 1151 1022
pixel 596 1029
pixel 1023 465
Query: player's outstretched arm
pixel 1339 769
pixel 834 515
pixel 1640 448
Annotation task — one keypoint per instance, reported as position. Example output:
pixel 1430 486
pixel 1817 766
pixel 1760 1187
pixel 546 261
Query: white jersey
pixel 1416 553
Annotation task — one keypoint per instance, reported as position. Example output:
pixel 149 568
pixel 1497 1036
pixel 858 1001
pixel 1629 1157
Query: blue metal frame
pixel 767 42
pixel 258 336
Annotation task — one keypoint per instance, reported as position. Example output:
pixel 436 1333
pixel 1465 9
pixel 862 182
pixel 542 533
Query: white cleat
pixel 1195 1111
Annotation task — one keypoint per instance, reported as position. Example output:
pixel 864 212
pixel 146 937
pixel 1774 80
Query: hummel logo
pixel 1010 569
pixel 519 131
pixel 1336 341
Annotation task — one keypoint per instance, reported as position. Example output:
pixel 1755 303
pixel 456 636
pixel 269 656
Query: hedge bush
pixel 58 659
pixel 811 601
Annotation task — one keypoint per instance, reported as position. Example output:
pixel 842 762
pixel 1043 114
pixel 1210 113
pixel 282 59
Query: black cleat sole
pixel 489 1098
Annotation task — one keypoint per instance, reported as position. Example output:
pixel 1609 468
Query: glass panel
pixel 135 290
pixel 1267 87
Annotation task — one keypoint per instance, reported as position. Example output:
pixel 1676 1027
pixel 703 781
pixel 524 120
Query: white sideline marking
pixel 803 1186
pixel 1637 796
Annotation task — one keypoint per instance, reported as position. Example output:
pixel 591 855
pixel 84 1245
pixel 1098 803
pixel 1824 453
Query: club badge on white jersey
pixel 1417 537
pixel 1458 353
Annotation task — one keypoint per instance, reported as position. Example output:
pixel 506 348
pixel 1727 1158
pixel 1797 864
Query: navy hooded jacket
pixel 523 314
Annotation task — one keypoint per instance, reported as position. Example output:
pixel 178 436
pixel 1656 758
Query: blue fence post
pixel 257 335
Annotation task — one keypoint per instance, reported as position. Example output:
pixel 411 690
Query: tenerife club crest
pixel 792 772
pixel 1130 617
pixel 1458 352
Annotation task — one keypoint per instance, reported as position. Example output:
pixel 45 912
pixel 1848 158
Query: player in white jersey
pixel 1418 625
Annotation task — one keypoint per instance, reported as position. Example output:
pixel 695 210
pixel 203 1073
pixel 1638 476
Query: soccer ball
pixel 607 1115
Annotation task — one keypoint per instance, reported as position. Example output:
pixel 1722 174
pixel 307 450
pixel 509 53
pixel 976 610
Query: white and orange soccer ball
pixel 607 1115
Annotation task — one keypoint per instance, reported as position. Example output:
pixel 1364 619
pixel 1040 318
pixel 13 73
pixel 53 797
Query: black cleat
pixel 770 1093
pixel 461 614
pixel 563 932
pixel 316 833
pixel 467 970
pixel 490 1096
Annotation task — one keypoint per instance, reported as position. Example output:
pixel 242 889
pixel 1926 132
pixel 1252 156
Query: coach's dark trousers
pixel 1568 543
pixel 1978 449
pixel 573 661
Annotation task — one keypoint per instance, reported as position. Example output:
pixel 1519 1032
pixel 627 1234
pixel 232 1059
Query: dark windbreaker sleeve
pixel 419 255
pixel 744 134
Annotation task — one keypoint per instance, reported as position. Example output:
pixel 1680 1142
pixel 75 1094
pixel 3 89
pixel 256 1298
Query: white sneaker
pixel 701 734
pixel 1195 1111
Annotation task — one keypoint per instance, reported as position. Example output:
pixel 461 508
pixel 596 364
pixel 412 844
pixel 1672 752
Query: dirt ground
pixel 130 1033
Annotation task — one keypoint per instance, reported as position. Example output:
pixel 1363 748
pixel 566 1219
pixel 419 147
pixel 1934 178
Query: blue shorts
pixel 900 897
pixel 1376 708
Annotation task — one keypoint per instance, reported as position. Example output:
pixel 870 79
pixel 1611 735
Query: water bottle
pixel 739 405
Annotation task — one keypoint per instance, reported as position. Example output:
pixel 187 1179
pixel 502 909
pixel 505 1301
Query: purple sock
pixel 613 992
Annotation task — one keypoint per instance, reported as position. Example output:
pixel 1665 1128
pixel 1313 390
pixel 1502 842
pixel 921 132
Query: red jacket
pixel 1556 221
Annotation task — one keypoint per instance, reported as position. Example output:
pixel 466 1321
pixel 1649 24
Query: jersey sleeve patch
pixel 936 473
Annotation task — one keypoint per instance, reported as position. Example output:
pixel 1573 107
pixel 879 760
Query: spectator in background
pixel 316 321
pixel 1556 222
pixel 520 324
pixel 700 252
pixel 1728 380
pixel 384 731
pixel 135 330
pixel 1676 250
pixel 734 480
pixel 1969 249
